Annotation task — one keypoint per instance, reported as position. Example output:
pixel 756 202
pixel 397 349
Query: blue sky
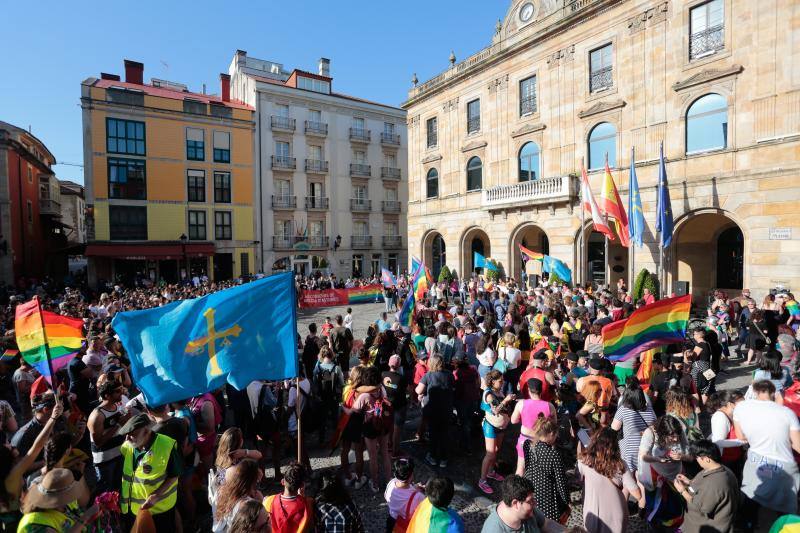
pixel 374 47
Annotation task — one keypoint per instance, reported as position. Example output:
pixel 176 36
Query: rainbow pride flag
pixel 793 308
pixel 46 340
pixel 370 293
pixel 406 314
pixel 662 322
pixel 428 518
pixel 421 282
pixel 536 256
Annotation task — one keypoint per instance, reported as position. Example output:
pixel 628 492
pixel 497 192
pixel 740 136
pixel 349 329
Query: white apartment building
pixel 331 173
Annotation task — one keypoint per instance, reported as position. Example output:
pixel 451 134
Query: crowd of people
pixel 485 366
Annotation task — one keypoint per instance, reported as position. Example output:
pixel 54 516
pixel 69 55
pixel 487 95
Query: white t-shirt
pixel 766 425
pixel 720 429
pixel 487 357
pixel 511 356
pixel 397 499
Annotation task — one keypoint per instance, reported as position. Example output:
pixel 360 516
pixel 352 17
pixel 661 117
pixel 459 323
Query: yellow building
pixel 169 180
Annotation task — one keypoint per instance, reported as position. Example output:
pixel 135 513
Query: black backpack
pixel 326 383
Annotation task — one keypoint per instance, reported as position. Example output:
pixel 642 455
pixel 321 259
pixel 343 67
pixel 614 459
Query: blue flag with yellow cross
pixel 236 336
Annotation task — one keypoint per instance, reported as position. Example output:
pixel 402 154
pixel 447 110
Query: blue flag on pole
pixel 478 260
pixel 664 222
pixel 557 267
pixel 235 336
pixel 635 213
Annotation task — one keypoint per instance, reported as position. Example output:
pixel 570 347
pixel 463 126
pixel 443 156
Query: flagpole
pixel 46 346
pixel 605 252
pixel 658 224
pixel 299 423
pixel 581 262
pixel 632 273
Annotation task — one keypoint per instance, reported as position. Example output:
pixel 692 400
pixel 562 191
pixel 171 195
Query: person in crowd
pixel 327 385
pixel 723 433
pixel 230 452
pixel 545 469
pixel 378 423
pixel 527 412
pixel 594 340
pixel 43 410
pixel 351 436
pixel 633 416
pixel 342 344
pixel 495 405
pixel 486 357
pixel 103 425
pixel 251 516
pixel 508 361
pixel 49 506
pixel 237 488
pixel 207 415
pixel 757 334
pixel 311 349
pixel 435 391
pixel 434 512
pixel 334 509
pixel 402 495
pixel 291 511
pixel 768 366
pixel 517 510
pixel 537 369
pixel 466 399
pixel 701 362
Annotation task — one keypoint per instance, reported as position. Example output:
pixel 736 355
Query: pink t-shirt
pixel 397 499
pixel 366 399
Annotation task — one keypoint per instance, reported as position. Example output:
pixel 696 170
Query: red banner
pixel 334 297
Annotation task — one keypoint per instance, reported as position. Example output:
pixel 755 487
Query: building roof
pixel 20 131
pixel 70 187
pixel 174 94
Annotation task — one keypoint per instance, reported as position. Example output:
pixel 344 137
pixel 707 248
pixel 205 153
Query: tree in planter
pixel 638 285
pixel 652 283
pixel 453 274
pixel 495 274
pixel 445 275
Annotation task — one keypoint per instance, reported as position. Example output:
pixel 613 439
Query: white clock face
pixel 526 12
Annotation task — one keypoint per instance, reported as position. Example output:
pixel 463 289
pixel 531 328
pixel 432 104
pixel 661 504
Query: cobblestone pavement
pixel 463 469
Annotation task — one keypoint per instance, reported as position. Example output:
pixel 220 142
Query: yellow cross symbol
pixel 196 346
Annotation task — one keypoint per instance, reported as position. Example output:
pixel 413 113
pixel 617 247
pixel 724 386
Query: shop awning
pixel 150 250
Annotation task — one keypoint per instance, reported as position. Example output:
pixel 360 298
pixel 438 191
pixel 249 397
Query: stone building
pixel 331 177
pixel 496 141
pixel 73 211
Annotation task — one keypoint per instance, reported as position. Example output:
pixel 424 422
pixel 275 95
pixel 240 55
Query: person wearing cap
pixel 150 471
pixel 50 505
pixel 43 410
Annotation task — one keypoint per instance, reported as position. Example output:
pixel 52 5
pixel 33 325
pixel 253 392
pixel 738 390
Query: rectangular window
pixel 313 84
pixel 390 229
pixel 222 147
pixel 195 144
pixel 601 75
pixel 283 228
pixel 223 228
pixel 360 228
pixel 527 96
pixel 127 223
pixel 392 263
pixel 30 174
pixel 125 137
pixel 315 152
pixel 244 259
pixel 360 157
pixel 197 225
pixel 222 187
pixel 391 160
pixel 281 149
pixel 388 128
pixel 283 188
pixel 707 27
pixel 433 132
pixel 127 179
pixel 316 228
pixel 316 190
pixel 358 124
pixel 196 185
pixel 314 115
pixel 391 195
pixel 474 116
pixel 360 192
pixel 282 110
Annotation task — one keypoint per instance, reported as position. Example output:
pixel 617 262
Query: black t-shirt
pixel 439 391
pixel 395 385
pixel 705 351
pixel 80 386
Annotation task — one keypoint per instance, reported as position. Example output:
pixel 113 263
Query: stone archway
pixel 434 252
pixel 475 239
pixel 600 264
pixel 532 237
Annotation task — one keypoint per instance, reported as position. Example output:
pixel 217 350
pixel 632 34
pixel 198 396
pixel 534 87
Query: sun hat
pixel 56 489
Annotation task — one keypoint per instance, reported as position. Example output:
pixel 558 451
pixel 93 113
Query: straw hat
pixel 56 489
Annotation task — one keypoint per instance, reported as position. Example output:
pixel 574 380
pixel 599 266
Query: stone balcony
pixel 391 242
pixel 538 192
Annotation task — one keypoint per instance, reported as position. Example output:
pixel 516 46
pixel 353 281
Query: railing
pixel 392 241
pixel 390 138
pixel 360 204
pixel 601 79
pixel 473 124
pixel 313 241
pixel 316 128
pixel 282 242
pixel 284 201
pixel 282 123
pixel 391 173
pixel 361 241
pixel 527 105
pixel 433 140
pixel 561 188
pixel 283 162
pixel 358 134
pixel 49 207
pixel 360 169
pixel 455 70
pixel 706 42
pixel 316 165
pixel 390 206
pixel 316 202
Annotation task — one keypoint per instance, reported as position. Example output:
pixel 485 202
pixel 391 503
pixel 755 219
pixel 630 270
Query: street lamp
pixel 183 238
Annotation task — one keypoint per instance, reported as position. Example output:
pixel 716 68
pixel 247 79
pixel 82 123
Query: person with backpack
pixel 328 384
pixel 342 344
pixel 266 406
pixel 436 394
pixel 445 346
pixel 291 511
pixel 311 348
pixel 396 386
pixel 374 405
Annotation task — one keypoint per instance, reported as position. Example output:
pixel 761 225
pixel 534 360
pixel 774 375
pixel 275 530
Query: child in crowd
pixel 402 495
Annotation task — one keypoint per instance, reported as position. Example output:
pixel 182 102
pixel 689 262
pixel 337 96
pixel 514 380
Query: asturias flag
pixel 237 335
pixel 557 267
pixel 635 212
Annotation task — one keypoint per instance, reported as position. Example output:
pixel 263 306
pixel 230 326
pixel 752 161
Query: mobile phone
pixel 691 490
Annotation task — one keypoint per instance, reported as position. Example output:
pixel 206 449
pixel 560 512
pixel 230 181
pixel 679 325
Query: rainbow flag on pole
pixel 428 518
pixel 663 322
pixel 47 341
pixel 535 256
pixel 421 282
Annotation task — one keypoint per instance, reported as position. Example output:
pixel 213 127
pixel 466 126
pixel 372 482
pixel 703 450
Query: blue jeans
pixel 109 475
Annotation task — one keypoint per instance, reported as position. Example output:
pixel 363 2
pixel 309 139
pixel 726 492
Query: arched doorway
pixel 474 240
pixel 534 239
pixel 708 253
pixel 601 265
pixel 434 252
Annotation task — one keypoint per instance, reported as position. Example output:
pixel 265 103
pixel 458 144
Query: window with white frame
pixel 601 72
pixel 707 29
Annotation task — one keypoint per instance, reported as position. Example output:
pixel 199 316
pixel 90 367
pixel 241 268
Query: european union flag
pixel 237 335
pixel 664 222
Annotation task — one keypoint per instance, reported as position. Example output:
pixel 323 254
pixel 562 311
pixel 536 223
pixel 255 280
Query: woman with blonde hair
pixel 544 468
pixel 508 358
pixel 351 434
pixel 239 487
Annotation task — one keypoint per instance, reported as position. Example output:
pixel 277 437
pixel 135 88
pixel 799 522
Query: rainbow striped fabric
pixel 428 518
pixel 370 293
pixel 536 256
pixel 662 322
pixel 793 308
pixel 421 282
pixel 406 314
pixel 46 340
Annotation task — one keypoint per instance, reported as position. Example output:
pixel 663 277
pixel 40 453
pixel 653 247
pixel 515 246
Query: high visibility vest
pixel 150 473
pixel 53 519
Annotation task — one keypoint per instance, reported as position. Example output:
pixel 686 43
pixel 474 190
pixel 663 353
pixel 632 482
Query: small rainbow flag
pixel 406 314
pixel 536 256
pixel 358 295
pixel 46 340
pixel 428 518
pixel 9 356
pixel 793 308
pixel 663 322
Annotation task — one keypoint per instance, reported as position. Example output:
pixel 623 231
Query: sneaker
pixel 360 483
pixel 443 463
pixel 374 487
pixel 495 476
pixel 484 486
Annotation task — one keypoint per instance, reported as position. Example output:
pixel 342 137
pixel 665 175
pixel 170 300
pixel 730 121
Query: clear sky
pixel 374 45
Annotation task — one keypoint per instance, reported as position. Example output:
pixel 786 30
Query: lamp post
pixel 183 238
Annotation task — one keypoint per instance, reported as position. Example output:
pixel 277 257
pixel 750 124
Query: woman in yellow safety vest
pixel 48 507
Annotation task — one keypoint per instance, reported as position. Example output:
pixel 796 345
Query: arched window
pixel 432 184
pixel 529 162
pixel 474 174
pixel 439 255
pixel 602 141
pixel 707 124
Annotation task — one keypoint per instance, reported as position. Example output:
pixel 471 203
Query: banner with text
pixel 334 297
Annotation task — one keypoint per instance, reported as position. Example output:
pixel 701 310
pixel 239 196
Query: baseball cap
pixel 139 421
pixel 92 360
pixel 394 361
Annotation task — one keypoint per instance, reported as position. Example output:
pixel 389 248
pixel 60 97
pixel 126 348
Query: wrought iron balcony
pixel 284 201
pixel 282 123
pixel 317 166
pixel 544 191
pixel 316 128
pixel 359 135
pixel 392 241
pixel 706 42
pixel 283 162
pixel 390 206
pixel 360 169
pixel 360 241
pixel 527 105
pixel 360 204
pixel 601 79
pixel 473 124
pixel 282 242
pixel 49 207
pixel 311 242
pixel 390 173
pixel 391 139
pixel 316 202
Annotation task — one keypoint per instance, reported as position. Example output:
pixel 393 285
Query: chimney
pixel 225 82
pixel 324 67
pixel 134 72
pixel 107 76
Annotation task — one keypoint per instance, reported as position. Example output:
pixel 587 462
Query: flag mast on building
pixel 635 215
pixel 664 222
